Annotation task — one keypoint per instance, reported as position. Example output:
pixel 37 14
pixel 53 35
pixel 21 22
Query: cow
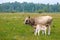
pixel 39 23
pixel 39 28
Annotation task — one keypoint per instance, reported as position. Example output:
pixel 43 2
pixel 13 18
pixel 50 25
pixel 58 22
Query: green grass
pixel 12 27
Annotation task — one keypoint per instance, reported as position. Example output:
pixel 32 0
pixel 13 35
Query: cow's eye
pixel 26 20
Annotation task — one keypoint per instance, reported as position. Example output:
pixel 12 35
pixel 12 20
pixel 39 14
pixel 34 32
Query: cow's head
pixel 27 20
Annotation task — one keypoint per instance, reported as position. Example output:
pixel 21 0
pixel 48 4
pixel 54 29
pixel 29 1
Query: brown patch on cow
pixel 32 21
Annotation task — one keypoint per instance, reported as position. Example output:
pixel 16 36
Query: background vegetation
pixel 29 7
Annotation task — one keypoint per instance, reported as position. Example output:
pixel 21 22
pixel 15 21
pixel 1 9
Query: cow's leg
pixel 49 30
pixel 42 31
pixel 45 31
pixel 38 31
pixel 35 31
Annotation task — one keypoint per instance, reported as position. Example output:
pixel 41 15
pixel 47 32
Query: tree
pixel 29 7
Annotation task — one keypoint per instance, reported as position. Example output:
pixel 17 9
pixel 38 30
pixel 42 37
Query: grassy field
pixel 12 27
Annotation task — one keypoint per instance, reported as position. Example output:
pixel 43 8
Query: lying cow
pixel 43 20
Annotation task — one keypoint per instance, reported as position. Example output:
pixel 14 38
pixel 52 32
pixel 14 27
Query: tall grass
pixel 12 27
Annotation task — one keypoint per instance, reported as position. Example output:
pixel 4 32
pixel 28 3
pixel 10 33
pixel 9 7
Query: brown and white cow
pixel 40 23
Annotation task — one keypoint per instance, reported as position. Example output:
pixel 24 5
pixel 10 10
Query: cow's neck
pixel 32 22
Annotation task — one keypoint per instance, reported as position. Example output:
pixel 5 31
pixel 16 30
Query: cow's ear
pixel 28 16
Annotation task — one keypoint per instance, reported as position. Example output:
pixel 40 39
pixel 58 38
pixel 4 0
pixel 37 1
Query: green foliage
pixel 41 11
pixel 28 7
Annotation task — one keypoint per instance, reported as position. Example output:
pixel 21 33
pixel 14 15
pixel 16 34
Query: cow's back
pixel 43 19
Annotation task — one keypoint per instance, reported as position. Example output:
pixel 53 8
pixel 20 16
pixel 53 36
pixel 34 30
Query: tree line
pixel 29 7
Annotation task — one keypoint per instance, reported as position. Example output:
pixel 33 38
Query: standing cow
pixel 40 23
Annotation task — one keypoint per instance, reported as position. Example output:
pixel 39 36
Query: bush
pixel 40 11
